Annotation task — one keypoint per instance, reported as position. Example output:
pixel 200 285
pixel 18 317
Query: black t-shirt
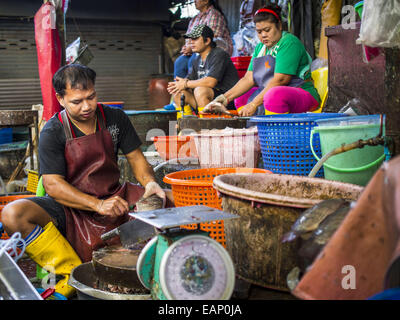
pixel 52 140
pixel 218 65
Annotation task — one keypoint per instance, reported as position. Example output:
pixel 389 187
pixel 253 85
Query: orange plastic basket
pixel 212 115
pixel 173 147
pixel 5 200
pixel 195 187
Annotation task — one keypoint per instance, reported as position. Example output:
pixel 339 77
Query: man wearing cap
pixel 212 72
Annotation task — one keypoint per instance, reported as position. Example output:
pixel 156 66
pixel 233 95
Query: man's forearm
pixel 208 82
pixel 66 194
pixel 141 169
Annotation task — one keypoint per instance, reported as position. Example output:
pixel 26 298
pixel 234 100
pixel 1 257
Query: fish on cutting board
pixel 312 217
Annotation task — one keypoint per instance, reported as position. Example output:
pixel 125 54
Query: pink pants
pixel 284 99
pixel 242 100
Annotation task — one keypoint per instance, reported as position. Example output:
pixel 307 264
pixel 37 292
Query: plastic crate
pixel 285 142
pixel 174 147
pixel 6 135
pixel 228 148
pixel 213 115
pixel 33 178
pixel 241 73
pixel 241 62
pixel 195 187
pixel 114 104
pixel 4 201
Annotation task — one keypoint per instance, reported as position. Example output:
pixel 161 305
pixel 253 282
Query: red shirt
pixel 216 21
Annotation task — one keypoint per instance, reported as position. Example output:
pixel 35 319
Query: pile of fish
pixel 314 228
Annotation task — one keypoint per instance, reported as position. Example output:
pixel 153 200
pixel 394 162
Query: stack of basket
pixel 219 152
pixel 241 64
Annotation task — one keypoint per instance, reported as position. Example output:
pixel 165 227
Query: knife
pixel 131 232
pixel 136 231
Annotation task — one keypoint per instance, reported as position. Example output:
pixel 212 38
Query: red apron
pixel 92 168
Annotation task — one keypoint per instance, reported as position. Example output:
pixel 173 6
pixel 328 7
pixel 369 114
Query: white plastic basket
pixel 228 148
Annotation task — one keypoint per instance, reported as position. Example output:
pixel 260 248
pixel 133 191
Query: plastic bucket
pixel 355 166
pixel 4 200
pixel 359 8
pixel 114 104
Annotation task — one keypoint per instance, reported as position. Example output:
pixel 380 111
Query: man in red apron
pixel 78 152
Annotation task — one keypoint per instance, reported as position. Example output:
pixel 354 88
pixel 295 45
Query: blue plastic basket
pixel 285 142
pixel 6 135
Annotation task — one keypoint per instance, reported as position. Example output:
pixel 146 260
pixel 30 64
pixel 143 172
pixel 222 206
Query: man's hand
pixel 186 50
pixel 114 207
pixel 214 107
pixel 177 86
pixel 218 105
pixel 153 188
pixel 247 110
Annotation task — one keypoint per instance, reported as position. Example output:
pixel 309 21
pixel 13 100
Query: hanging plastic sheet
pixel 49 54
pixel 301 23
pixel 330 16
pixel 363 256
pixel 245 39
pixel 380 24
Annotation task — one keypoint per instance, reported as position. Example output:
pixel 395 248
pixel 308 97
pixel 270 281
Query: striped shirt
pixel 216 21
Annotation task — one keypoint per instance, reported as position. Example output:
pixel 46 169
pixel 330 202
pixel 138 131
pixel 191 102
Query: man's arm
pixel 141 169
pixel 181 84
pixel 144 173
pixel 66 194
pixel 208 82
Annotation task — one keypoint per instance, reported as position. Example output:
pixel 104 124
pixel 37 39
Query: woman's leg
pixel 284 99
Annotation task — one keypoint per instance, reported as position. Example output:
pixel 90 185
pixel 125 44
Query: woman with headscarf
pixel 280 67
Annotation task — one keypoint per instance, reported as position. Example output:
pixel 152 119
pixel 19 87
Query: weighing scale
pixel 180 264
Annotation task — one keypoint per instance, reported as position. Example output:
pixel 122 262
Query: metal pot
pixel 83 279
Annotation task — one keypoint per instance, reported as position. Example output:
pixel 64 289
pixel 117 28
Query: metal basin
pixel 117 266
pixel 84 279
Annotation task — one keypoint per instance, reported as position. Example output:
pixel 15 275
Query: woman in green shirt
pixel 280 67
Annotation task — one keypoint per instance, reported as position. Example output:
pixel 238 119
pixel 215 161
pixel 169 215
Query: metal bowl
pixel 84 279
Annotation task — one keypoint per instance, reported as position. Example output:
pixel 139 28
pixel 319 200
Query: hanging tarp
pixel 301 23
pixel 330 16
pixel 380 24
pixel 49 55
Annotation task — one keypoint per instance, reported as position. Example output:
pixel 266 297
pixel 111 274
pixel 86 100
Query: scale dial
pixel 197 268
